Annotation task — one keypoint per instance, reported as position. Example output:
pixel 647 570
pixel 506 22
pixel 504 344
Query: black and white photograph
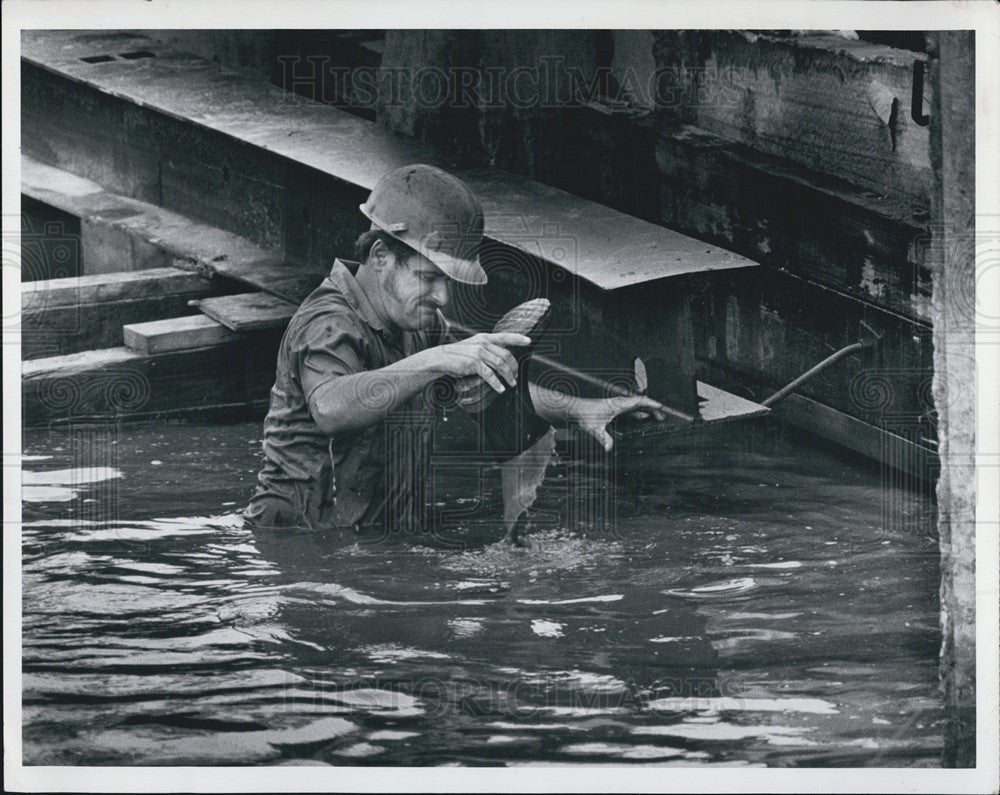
pixel 525 402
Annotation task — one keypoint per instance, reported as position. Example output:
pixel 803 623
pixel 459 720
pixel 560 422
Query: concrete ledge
pixel 244 154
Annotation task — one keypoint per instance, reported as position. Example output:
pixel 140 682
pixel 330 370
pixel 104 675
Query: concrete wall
pixel 953 202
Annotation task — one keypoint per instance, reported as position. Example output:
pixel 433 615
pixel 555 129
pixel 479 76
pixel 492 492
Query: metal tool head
pixel 868 336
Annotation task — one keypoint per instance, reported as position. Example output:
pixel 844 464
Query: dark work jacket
pixel 374 476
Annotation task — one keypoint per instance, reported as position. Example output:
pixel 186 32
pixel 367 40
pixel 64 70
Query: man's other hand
pixel 594 415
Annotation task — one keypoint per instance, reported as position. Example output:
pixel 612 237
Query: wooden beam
pixel 888 448
pixel 64 316
pixel 68 329
pixel 958 321
pixel 105 287
pixel 119 383
pixel 835 105
pixel 120 233
pixel 175 334
pixel 119 229
pixel 819 228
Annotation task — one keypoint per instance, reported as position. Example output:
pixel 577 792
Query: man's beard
pixel 418 318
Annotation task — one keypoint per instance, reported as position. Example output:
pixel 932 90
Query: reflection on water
pixel 756 602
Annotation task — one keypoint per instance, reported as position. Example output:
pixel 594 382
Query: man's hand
pixel 485 355
pixel 594 415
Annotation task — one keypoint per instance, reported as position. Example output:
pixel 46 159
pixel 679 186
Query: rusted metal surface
pixel 759 334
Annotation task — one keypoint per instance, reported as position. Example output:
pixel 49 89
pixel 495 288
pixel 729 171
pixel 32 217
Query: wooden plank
pixel 181 333
pixel 968 480
pixel 822 229
pixel 104 287
pixel 282 277
pixel 888 448
pixel 52 331
pixel 607 248
pixel 247 311
pixel 66 191
pixel 71 364
pixel 62 316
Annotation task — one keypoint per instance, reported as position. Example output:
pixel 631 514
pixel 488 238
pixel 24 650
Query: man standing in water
pixel 347 436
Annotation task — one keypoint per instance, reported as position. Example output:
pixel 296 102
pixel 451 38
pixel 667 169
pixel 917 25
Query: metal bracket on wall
pixel 917 97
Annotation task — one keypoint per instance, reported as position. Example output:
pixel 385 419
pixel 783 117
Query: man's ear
pixel 378 254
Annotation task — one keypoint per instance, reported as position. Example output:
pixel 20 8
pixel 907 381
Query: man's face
pixel 413 290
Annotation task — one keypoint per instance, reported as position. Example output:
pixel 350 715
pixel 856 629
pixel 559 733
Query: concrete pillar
pixel 953 113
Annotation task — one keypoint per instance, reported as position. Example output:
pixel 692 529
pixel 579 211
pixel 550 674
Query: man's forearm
pixel 553 406
pixel 354 401
pixel 592 414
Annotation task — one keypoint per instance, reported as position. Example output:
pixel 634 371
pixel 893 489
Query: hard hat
pixel 433 213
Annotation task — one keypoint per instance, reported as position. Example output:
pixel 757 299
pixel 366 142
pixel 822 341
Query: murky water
pixel 741 599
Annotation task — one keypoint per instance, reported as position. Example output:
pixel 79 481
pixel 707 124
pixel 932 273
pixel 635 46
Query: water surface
pixel 731 598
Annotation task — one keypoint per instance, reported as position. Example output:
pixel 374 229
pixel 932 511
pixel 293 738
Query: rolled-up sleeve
pixel 328 346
